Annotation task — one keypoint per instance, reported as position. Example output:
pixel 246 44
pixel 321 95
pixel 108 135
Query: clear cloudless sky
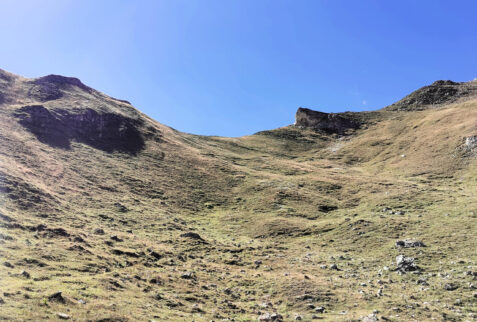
pixel 235 67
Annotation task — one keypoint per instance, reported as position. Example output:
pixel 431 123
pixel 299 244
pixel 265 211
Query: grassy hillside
pixel 173 226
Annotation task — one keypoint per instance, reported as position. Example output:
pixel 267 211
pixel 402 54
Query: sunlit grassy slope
pixel 274 211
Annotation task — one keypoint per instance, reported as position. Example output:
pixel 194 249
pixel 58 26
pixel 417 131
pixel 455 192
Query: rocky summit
pixel 108 215
pixel 438 93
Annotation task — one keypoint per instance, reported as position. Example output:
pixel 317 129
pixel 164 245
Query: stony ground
pixel 291 224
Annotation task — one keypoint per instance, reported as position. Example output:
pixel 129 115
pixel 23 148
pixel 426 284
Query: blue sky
pixel 233 68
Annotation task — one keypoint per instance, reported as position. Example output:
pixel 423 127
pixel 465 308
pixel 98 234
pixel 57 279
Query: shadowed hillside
pixel 108 214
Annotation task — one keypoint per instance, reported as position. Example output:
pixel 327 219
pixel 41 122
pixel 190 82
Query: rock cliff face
pixel 107 131
pixel 338 123
pixel 438 93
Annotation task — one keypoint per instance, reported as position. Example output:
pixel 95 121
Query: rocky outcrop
pixel 52 87
pixel 338 123
pixel 105 131
pixel 439 92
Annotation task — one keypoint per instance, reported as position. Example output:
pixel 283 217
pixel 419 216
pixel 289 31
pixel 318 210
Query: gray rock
pixel 422 281
pixel 275 317
pixel 25 274
pixel 116 238
pixel 471 142
pixel 57 297
pixel 370 318
pixel 409 243
pixel 320 309
pixel 470 273
pixel 305 297
pixel 63 316
pixel 406 264
pixel 99 231
pixel 188 275
pixel 8 264
pixel 451 286
pixel 192 235
pixel 196 309
pixel 121 207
